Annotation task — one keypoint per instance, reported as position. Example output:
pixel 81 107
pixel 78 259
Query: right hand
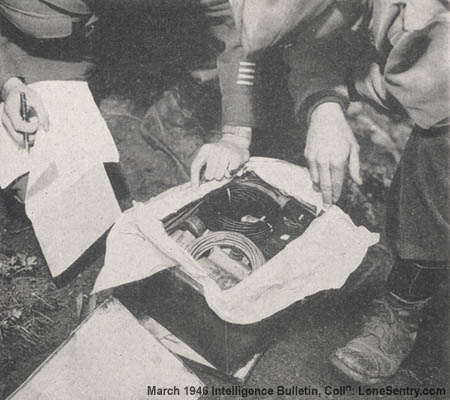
pixel 220 160
pixel 330 146
pixel 11 118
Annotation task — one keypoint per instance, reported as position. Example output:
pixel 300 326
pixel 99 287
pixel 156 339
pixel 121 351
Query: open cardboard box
pixel 228 328
pixel 169 293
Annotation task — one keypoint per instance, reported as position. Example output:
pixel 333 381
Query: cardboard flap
pixel 110 356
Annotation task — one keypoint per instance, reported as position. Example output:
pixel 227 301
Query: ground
pixel 36 315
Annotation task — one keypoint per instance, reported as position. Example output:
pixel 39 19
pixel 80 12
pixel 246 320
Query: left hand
pixel 220 159
pixel 216 8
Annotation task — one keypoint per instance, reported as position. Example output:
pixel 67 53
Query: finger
pixel 31 138
pixel 12 109
pixel 314 172
pixel 196 168
pixel 222 166
pixel 354 166
pixel 23 126
pixel 211 166
pixel 42 114
pixel 17 137
pixel 235 164
pixel 337 180
pixel 325 183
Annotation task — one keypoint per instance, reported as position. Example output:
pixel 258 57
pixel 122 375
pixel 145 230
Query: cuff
pixel 312 102
pixel 4 79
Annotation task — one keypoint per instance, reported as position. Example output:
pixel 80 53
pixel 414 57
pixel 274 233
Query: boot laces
pixel 388 324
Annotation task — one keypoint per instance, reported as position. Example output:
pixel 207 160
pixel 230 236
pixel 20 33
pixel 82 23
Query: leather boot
pixel 390 330
pixel 386 339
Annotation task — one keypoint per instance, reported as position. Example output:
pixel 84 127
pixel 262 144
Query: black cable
pixel 223 209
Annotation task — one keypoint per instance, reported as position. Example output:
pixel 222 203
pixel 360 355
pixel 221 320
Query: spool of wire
pixel 228 240
pixel 224 209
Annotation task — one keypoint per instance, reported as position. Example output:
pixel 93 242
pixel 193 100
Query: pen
pixel 24 116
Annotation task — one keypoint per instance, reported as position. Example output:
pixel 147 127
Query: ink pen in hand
pixel 24 116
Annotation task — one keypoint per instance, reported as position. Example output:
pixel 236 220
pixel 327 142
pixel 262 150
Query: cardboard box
pixel 228 328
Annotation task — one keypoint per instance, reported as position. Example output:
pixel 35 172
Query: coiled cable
pixel 223 209
pixel 230 240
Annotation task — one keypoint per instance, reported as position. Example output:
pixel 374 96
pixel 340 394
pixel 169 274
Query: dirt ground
pixel 36 315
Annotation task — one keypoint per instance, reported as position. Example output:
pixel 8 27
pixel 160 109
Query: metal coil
pixel 231 240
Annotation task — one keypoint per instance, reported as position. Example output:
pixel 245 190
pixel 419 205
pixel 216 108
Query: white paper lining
pixel 322 258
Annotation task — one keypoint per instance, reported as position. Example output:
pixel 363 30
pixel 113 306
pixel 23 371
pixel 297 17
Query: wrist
pixel 242 142
pixel 238 135
pixel 240 131
pixel 10 85
pixel 328 111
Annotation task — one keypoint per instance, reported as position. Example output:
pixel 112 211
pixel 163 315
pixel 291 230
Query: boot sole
pixel 346 371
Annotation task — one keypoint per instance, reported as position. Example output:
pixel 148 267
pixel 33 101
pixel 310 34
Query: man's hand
pixel 11 117
pixel 220 159
pixel 330 145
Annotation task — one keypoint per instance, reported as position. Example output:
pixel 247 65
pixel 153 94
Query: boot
pixel 390 331
pixel 387 338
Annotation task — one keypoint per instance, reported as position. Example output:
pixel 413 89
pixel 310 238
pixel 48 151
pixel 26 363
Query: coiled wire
pixel 223 209
pixel 230 240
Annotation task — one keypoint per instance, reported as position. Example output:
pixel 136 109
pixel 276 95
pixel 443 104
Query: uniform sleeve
pixel 240 84
pixel 320 59
pixel 317 75
pixel 417 72
pixel 7 61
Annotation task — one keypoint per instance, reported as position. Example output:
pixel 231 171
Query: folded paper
pixel 69 198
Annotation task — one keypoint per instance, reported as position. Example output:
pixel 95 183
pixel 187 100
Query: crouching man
pixel 40 40
pixel 397 55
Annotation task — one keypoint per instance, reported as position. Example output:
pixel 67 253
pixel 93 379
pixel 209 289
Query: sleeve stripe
pixel 249 70
pixel 247 83
pixel 247 64
pixel 246 76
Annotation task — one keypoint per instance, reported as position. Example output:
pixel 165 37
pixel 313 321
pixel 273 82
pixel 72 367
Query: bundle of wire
pixel 229 240
pixel 223 210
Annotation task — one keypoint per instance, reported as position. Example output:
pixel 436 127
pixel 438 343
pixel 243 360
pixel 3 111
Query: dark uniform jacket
pixel 44 40
pixel 395 53
pixel 51 40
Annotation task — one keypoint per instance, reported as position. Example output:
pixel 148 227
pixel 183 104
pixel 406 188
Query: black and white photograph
pixel 224 199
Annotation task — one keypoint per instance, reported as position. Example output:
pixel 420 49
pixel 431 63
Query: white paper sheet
pixel 322 258
pixel 69 198
pixel 78 137
pixel 110 356
pixel 68 223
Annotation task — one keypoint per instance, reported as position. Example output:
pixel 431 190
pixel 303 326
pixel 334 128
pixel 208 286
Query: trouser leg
pixel 418 209
pixel 415 281
pixel 418 227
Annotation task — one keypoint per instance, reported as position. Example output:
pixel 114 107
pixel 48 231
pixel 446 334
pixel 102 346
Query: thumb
pixel 353 164
pixel 196 167
pixel 42 114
